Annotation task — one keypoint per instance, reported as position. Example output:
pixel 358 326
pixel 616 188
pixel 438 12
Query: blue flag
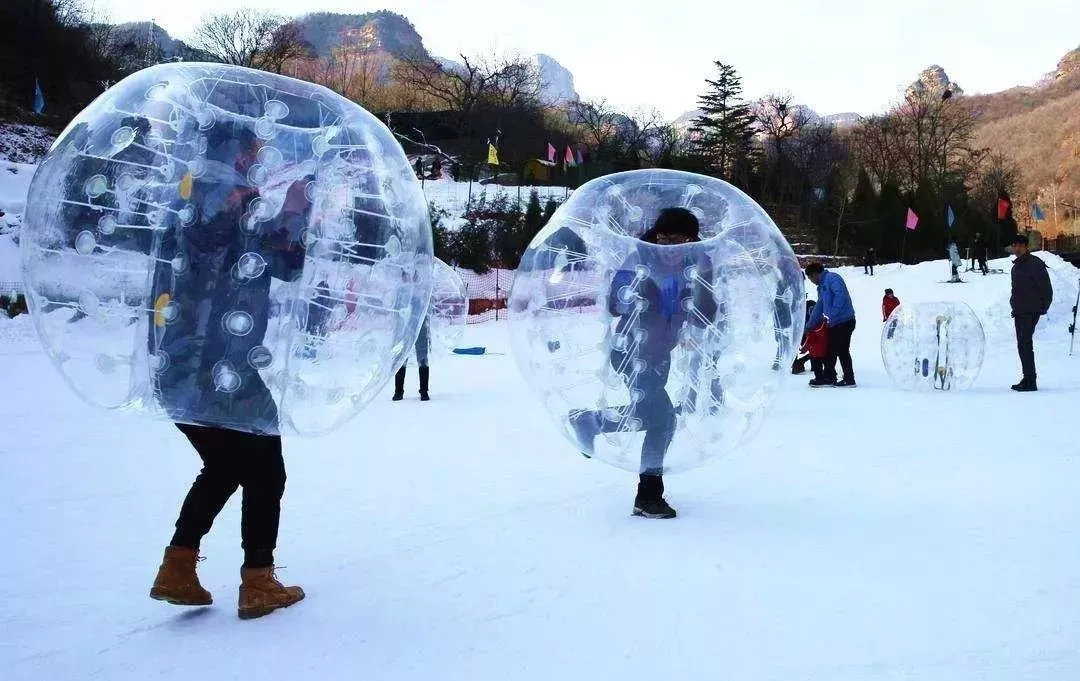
pixel 1037 212
pixel 39 98
pixel 950 216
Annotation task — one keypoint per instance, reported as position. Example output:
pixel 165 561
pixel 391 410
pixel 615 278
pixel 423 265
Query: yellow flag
pixel 493 155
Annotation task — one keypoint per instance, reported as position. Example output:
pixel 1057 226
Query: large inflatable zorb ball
pixel 227 247
pixel 449 309
pixel 933 346
pixel 657 358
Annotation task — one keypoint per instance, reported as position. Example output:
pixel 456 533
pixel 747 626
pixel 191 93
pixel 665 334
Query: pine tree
pixel 724 126
pixel 534 215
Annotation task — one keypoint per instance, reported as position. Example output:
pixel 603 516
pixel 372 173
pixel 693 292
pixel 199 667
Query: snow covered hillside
pixel 866 534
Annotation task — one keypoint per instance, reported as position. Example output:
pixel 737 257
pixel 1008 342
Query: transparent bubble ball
pixel 220 246
pixel 657 358
pixel 928 346
pixel 449 309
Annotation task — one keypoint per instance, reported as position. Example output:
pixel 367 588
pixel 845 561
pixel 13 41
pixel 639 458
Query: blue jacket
pixel 833 301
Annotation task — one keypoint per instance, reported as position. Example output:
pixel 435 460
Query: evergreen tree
pixel 723 128
pixel 549 209
pixel 534 215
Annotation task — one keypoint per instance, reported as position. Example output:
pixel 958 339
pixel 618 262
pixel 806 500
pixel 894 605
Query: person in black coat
pixel 869 260
pixel 978 254
pixel 1032 294
pixel 211 311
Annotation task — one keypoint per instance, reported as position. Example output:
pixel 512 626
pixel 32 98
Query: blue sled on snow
pixel 479 350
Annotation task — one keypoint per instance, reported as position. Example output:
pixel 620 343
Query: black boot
pixel 649 502
pixel 1026 385
pixel 425 372
pixel 399 385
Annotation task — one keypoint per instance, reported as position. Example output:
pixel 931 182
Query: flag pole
pixel 903 247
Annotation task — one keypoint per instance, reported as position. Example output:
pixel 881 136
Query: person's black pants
pixel 982 264
pixel 840 349
pixel 234 459
pixel 1025 332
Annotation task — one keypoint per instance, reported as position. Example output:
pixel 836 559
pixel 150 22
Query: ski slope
pixel 865 534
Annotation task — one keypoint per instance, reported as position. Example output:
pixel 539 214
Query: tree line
pixel 849 189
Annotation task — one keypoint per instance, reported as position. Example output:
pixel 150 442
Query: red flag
pixel 568 159
pixel 551 152
pixel 1003 208
pixel 912 220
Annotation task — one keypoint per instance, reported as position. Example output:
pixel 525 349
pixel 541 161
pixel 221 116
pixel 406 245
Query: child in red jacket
pixel 815 347
pixel 889 303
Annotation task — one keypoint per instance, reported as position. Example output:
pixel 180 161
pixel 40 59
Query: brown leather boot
pixel 261 593
pixel 176 580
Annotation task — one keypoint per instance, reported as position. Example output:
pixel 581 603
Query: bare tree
pixel 287 44
pixel 466 87
pixel 596 121
pixel 241 37
pixel 780 119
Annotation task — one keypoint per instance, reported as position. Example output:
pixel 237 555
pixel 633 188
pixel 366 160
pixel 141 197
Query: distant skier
pixel 1032 294
pixel 657 315
pixel 978 254
pixel 954 261
pixel 835 309
pixel 888 303
pixel 869 260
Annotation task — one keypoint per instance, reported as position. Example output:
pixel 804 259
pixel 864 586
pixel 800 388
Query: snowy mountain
pixel 382 32
pixel 932 81
pixel 558 82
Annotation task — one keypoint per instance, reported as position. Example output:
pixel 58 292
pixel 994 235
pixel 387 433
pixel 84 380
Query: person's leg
pixel 817 365
pixel 262 475
pixel 422 346
pixel 399 384
pixel 657 415
pixel 176 581
pixel 828 367
pixel 843 351
pixel 212 487
pixel 263 480
pixel 1025 331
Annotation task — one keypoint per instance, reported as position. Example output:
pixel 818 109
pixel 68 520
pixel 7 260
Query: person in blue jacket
pixel 835 309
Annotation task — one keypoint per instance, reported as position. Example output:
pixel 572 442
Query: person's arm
pixel 818 312
pixel 1046 290
pixel 618 305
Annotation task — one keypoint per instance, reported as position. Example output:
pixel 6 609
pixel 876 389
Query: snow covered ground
pixel 866 534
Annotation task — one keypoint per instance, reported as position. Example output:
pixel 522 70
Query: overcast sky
pixel 833 55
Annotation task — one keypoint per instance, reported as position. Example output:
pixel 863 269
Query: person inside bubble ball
pixel 206 331
pixel 654 309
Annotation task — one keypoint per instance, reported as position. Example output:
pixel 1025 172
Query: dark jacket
pixel 659 303
pixel 1032 292
pixel 197 346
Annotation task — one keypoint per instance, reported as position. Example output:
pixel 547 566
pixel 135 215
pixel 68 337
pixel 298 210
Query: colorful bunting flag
pixel 39 98
pixel 1037 212
pixel 551 152
pixel 580 157
pixel 1003 206
pixel 950 216
pixel 493 155
pixel 912 220
pixel 568 158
